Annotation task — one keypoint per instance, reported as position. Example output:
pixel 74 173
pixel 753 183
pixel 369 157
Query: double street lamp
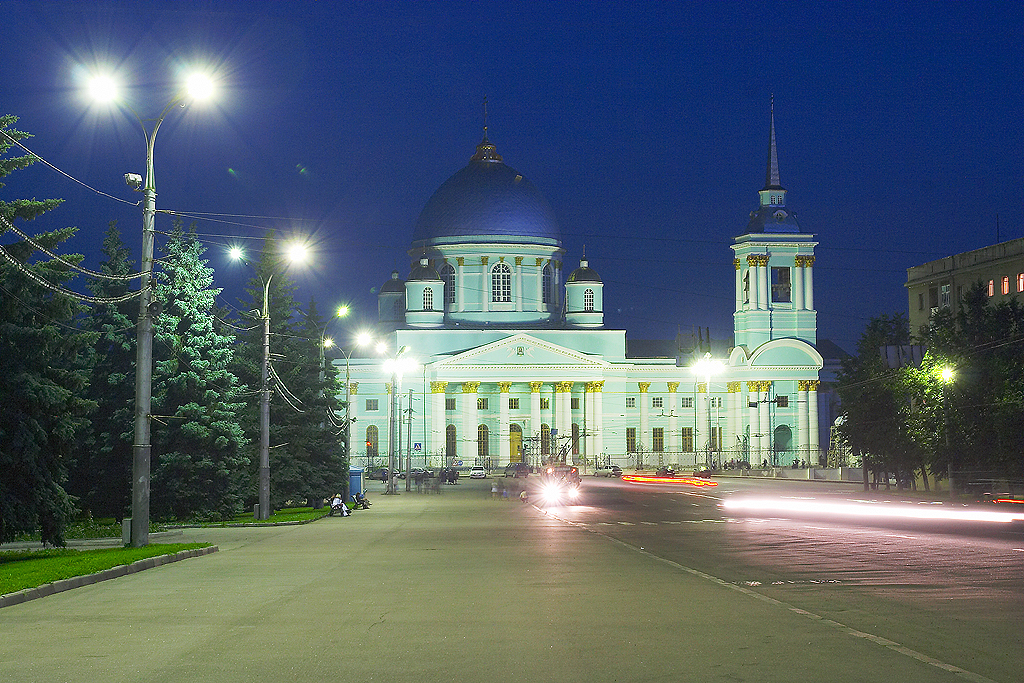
pixel 707 367
pixel 362 339
pixel 105 89
pixel 395 365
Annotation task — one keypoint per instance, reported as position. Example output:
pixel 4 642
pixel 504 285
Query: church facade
pixel 498 356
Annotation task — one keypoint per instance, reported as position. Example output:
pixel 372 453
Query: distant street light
pixel 105 89
pixel 362 339
pixel 394 365
pixel 293 253
pixel 707 367
pixel 948 375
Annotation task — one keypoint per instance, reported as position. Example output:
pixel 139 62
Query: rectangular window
pixel 715 402
pixel 657 402
pixel 687 440
pixel 781 290
pixel 716 438
pixel 545 404
pixel 944 295
pixel 631 439
pixel 658 439
pixel 1006 284
pixel 372 404
pixel 920 301
pixel 449 404
pixel 991 287
pixel 481 404
pixel 631 401
pixel 574 403
pixel 933 297
pixel 513 404
pixel 686 401
pixel 782 401
pixel 1020 282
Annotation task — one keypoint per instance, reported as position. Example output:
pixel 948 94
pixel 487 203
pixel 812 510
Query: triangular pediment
pixel 521 350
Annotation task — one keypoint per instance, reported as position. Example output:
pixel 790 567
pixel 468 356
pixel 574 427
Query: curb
pixel 46 589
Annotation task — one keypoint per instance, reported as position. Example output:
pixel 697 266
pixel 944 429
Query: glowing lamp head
pixel 947 374
pixel 236 253
pixel 341 312
pixel 103 89
pixel 199 87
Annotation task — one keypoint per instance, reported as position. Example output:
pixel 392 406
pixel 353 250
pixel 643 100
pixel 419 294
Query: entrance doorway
pixel 515 443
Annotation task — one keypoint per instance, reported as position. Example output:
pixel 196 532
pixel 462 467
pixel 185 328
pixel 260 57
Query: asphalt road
pixel 637 584
pixel 952 592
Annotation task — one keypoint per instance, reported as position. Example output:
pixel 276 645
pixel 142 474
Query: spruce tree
pixel 41 384
pixel 198 444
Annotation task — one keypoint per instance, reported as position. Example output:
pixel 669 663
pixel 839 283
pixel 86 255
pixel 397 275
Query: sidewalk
pixel 425 587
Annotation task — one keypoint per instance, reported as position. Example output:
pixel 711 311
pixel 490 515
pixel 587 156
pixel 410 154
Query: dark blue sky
pixel 645 124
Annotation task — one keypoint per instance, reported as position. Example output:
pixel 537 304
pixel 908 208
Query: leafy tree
pixel 40 384
pixel 198 444
pixel 101 474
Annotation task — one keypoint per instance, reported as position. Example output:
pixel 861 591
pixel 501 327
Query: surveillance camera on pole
pixel 133 180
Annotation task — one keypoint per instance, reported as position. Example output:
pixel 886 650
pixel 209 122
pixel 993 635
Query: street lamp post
pixel 103 88
pixel 394 366
pixel 707 367
pixel 947 376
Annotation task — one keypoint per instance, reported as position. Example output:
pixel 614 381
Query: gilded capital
pixel 460 260
pixel 563 387
pixel 519 260
pixel 438 387
pixel 807 385
pixel 702 387
pixel 470 387
pixel 540 262
pixel 503 387
pixel 734 387
pixel 595 387
pixel 644 386
pixel 387 387
pixel 672 386
pixel 483 260
pixel 353 388
pixel 736 263
pixel 535 387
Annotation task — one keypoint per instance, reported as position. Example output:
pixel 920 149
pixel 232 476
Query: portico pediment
pixel 521 350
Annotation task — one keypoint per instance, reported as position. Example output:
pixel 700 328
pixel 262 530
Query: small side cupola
pixel 391 302
pixel 584 297
pixel 424 296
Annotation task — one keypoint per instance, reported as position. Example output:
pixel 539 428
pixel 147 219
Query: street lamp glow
pixel 296 252
pixel 199 87
pixel 236 253
pixel 947 374
pixel 341 312
pixel 103 88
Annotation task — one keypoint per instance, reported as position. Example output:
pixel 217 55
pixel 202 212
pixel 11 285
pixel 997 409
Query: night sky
pixel 645 124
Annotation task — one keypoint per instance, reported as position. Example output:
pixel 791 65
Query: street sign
pixel 417 447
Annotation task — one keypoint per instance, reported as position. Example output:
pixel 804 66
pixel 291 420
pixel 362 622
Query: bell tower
pixel 774 262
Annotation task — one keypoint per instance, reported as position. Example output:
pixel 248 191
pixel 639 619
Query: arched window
pixel 372 444
pixel 588 301
pixel 482 435
pixel 548 285
pixel 501 283
pixel 428 299
pixel 545 440
pixel 448 275
pixel 451 444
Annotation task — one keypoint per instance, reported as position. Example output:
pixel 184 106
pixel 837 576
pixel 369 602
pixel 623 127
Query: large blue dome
pixel 484 202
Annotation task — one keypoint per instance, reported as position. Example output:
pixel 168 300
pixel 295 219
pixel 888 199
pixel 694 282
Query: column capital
pixel 460 260
pixel 353 388
pixel 503 387
pixel 563 387
pixel 535 387
pixel 519 260
pixel 595 387
pixel 672 387
pixel 736 263
pixel 438 387
pixel 644 386
pixel 387 387
pixel 483 260
pixel 734 387
pixel 470 387
pixel 540 262
pixel 807 384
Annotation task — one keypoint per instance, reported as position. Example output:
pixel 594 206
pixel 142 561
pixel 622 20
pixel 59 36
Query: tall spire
pixel 771 181
pixel 486 151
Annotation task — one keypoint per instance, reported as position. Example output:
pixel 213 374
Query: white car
pixel 477 472
pixel 608 471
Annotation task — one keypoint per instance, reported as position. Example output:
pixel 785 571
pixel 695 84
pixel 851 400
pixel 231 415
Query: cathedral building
pixel 499 352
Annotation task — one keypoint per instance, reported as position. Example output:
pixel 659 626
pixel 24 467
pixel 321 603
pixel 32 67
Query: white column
pixel 701 438
pixel 753 289
pixel 673 418
pixel 598 425
pixel 763 422
pixel 468 443
pixel 803 439
pixel 535 417
pixel 437 421
pixel 812 418
pixel 504 445
pixel 460 284
pixel 730 442
pixel 563 416
pixel 753 398
pixel 798 283
pixel 762 283
pixel 809 284
pixel 540 284
pixel 644 438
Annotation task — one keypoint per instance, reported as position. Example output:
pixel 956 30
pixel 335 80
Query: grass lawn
pixel 20 569
pixel 285 515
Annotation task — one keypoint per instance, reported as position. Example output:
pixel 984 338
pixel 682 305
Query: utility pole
pixel 408 448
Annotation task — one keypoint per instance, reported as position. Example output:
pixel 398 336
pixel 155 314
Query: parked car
pixel 477 472
pixel 379 474
pixel 517 469
pixel 608 471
